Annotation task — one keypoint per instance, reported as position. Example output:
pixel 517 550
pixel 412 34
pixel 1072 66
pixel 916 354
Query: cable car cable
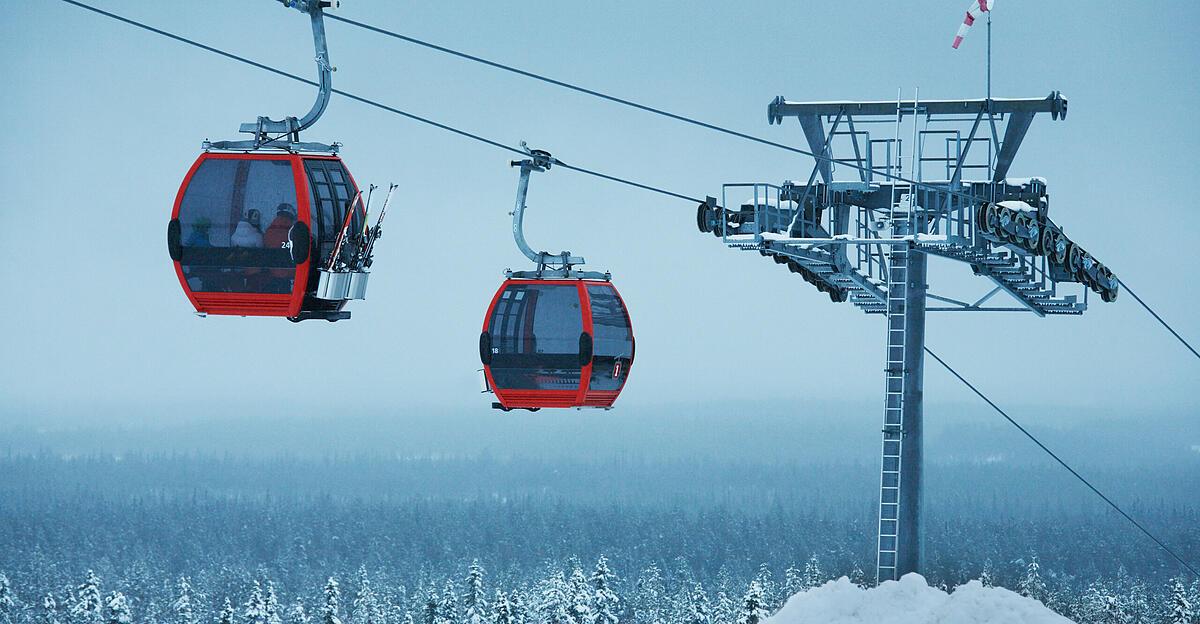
pixel 1064 464
pixel 648 108
pixel 370 102
pixel 1158 318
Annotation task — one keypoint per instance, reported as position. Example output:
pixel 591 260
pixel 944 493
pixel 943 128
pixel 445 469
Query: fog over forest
pixel 417 514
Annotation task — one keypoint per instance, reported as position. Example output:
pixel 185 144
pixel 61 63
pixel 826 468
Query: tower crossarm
pixel 1055 104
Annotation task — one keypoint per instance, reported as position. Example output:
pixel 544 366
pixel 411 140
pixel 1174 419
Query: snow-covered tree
pixel 648 599
pixel 986 577
pixel 271 605
pixel 519 606
pixel 793 581
pixel 1032 585
pixel 298 614
pixel 1091 603
pixel 255 609
pixel 475 610
pixel 49 611
pixel 605 602
pixel 116 609
pixel 753 610
pixel 501 610
pixel 1179 608
pixel 182 605
pixel 8 606
pixel 698 610
pixel 88 604
pixel 1136 604
pixel 766 583
pixel 580 597
pixel 552 600
pixel 1113 612
pixel 448 604
pixel 330 607
pixel 226 614
pixel 725 609
pixel 365 609
pixel 430 612
pixel 813 576
pixel 857 576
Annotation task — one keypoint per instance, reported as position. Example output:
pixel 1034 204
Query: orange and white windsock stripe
pixel 977 7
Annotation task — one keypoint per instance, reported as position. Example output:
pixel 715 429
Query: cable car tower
pixel 865 237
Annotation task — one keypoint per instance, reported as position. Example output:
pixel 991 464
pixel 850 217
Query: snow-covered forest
pixel 372 540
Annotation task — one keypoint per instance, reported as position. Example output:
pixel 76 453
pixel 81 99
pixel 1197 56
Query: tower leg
pixel 900 549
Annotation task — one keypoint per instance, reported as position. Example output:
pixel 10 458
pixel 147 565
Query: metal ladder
pixel 893 419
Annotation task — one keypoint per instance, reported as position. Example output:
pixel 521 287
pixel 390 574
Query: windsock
pixel 977 7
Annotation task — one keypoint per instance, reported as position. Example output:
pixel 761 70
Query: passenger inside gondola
pixel 221 218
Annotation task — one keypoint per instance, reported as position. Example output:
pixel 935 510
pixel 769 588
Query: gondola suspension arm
pixel 548 264
pixel 289 127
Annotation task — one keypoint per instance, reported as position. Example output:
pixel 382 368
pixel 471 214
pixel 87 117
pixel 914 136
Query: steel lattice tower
pixel 867 240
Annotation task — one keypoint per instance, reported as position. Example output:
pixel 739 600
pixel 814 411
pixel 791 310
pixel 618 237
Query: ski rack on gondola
pixel 866 240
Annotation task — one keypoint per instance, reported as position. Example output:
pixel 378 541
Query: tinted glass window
pixel 535 337
pixel 332 192
pixel 612 339
pixel 235 215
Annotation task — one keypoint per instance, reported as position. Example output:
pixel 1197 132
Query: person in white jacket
pixel 248 232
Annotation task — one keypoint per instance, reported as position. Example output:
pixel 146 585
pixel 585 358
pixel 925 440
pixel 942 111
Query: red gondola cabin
pixel 556 343
pixel 249 231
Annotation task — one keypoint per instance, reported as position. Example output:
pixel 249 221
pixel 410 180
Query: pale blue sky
pixel 104 120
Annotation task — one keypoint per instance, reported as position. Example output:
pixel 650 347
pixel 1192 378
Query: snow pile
pixel 911 601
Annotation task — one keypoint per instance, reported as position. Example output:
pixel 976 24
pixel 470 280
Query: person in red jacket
pixel 276 237
pixel 277 232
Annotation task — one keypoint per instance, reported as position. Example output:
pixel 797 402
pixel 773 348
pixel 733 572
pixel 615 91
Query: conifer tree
pixel 1136 604
pixel 331 606
pixel 753 610
pixel 1032 585
pixel 271 605
pixel 116 609
pixel 49 612
pixel 448 604
pixel 648 607
pixel 580 592
pixel 858 577
pixel 226 614
pixel 793 581
pixel 430 613
pixel 298 614
pixel 604 597
pixel 519 605
pixel 812 573
pixel 8 606
pixel 501 611
pixel 474 603
pixel 182 606
pixel 699 611
pixel 1179 608
pixel 88 604
pixel 255 609
pixel 551 606
pixel 1113 612
pixel 365 608
pixel 766 583
pixel 986 576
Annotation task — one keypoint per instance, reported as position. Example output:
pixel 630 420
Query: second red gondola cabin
pixel 556 343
